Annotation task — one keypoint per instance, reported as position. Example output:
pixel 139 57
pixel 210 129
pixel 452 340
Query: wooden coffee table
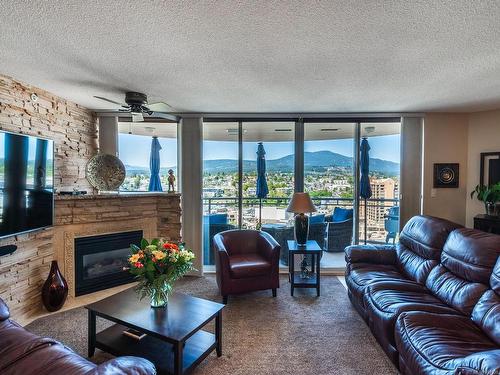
pixel 175 341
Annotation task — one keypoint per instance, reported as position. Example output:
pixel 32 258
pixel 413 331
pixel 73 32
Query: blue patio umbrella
pixel 365 189
pixel 154 166
pixel 262 188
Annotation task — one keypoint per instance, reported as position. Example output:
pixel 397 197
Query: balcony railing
pixel 377 230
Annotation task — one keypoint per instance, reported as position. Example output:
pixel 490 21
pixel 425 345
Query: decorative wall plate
pixel 446 175
pixel 105 172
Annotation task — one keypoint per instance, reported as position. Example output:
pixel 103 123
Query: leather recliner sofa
pixel 431 301
pixel 22 352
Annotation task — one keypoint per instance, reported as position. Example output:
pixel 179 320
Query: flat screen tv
pixel 27 183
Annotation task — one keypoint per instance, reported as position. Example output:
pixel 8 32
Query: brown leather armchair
pixel 246 261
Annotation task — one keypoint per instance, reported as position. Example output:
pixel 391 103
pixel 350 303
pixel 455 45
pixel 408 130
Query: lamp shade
pixel 301 203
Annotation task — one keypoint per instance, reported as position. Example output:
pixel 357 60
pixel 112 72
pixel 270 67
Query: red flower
pixel 139 265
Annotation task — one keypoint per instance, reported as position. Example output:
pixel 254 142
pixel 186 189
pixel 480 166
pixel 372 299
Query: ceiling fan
pixel 137 105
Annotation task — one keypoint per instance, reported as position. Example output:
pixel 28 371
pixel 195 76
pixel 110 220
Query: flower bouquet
pixel 157 265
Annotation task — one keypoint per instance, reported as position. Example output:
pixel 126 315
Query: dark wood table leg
pixel 178 348
pixel 291 269
pixel 318 274
pixel 218 333
pixel 91 333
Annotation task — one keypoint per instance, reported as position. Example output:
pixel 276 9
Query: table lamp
pixel 301 204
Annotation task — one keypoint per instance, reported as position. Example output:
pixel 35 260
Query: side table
pixel 487 223
pixel 296 280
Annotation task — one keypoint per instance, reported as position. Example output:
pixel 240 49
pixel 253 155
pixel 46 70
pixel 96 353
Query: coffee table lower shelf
pixel 161 353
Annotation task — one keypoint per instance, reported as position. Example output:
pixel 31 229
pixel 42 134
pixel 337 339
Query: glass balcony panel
pixel 379 219
pixel 220 183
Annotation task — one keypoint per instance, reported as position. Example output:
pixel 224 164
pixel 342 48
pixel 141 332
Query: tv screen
pixel 27 183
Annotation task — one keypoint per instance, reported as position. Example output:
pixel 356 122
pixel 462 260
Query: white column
pixel 108 135
pixel 411 168
pixel 191 168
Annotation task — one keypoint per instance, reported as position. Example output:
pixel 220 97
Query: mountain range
pixel 313 161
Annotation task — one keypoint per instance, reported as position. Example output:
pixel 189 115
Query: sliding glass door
pixel 379 218
pixel 274 142
pixel 329 179
pixel 323 158
pixel 220 183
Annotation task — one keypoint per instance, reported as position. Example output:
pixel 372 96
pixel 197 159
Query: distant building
pixel 385 188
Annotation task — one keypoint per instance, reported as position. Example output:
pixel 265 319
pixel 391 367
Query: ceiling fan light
pixel 137 117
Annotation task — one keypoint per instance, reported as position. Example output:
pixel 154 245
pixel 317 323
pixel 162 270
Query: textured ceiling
pixel 260 56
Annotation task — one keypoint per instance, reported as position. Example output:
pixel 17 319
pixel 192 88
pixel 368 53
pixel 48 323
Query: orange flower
pixel 171 246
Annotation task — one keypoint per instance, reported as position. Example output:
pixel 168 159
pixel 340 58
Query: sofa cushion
pixel 466 265
pixel 360 275
pixel 342 214
pixel 420 244
pixel 386 300
pixel 486 313
pixel 17 342
pixel 49 360
pixel 217 219
pixel 317 219
pixel 436 343
pixel 248 265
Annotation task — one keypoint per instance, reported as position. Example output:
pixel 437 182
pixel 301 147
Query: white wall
pixel 445 141
pixel 484 136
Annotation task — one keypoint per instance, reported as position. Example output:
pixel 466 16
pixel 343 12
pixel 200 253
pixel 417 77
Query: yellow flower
pixel 134 258
pixel 159 255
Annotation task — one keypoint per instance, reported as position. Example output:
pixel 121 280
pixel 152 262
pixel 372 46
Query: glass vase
pixel 159 295
pixel 490 208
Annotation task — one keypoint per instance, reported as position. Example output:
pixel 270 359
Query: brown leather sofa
pixel 22 352
pixel 246 261
pixel 432 300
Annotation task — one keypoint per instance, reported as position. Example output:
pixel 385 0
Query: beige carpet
pixel 264 335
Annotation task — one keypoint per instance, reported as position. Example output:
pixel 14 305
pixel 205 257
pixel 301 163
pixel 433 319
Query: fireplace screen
pixel 100 261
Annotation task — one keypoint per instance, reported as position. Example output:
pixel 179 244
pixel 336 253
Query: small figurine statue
pixel 171 181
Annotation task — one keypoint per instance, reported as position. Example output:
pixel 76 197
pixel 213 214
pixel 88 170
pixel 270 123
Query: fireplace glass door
pixel 100 261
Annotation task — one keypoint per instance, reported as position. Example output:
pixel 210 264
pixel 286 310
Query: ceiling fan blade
pixel 160 107
pixel 109 101
pixel 166 116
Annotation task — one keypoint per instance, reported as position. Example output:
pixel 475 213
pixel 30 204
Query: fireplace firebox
pixel 100 261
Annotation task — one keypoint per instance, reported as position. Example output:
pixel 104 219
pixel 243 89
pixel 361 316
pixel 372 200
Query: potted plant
pixel 490 195
pixel 157 265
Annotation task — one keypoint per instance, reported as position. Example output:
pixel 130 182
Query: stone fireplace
pixel 101 261
pixel 88 224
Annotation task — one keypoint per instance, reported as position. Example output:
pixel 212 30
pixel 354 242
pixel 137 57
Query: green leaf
pixel 155 241
pixel 144 243
pixel 134 248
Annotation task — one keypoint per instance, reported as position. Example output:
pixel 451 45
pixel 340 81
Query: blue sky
pixel 31 147
pixel 135 149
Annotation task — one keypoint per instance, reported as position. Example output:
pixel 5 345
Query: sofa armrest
pixel 375 254
pixel 221 258
pixel 4 311
pixel 125 365
pixel 480 363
